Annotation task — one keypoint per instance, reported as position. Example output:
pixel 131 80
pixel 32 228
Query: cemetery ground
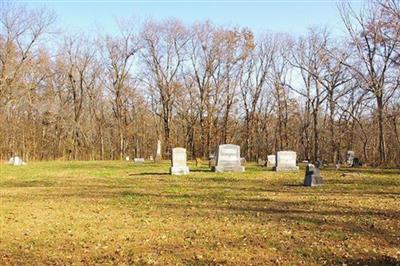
pixel 118 213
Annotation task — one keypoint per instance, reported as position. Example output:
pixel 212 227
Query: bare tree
pixel 373 65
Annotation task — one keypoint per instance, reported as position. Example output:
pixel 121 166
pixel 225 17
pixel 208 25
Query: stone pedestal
pixel 224 168
pixel 179 170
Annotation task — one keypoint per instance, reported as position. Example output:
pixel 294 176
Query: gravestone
pixel 261 162
pixel 350 158
pixel 127 158
pixel 228 159
pixel 178 161
pixel 271 160
pixel 151 158
pixel 286 161
pixel 356 162
pixel 138 160
pixel 211 161
pixel 313 176
pixel 242 161
pixel 16 161
pixel 158 156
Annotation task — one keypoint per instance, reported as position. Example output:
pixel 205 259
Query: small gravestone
pixel 313 176
pixel 211 161
pixel 242 161
pixel 271 160
pixel 127 158
pixel 179 161
pixel 261 162
pixel 151 158
pixel 286 161
pixel 228 159
pixel 138 160
pixel 356 162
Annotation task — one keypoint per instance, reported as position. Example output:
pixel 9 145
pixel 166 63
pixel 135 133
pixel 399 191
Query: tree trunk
pixel 381 136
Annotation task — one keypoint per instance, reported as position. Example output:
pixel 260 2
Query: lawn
pixel 118 213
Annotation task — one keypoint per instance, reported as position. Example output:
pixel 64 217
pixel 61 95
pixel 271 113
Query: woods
pixel 94 96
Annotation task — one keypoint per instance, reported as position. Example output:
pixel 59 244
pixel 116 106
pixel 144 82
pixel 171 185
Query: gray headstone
pixel 228 159
pixel 286 161
pixel 138 160
pixel 313 176
pixel 350 157
pixel 271 162
pixel 179 161
pixel 261 162
pixel 242 161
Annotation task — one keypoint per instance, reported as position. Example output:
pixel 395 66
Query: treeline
pixel 95 96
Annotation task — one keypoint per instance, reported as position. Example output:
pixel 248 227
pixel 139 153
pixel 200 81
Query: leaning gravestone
pixel 138 160
pixel 271 161
pixel 178 161
pixel 313 176
pixel 228 159
pixel 286 161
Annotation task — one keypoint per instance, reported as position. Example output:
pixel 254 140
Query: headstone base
pixel 179 170
pixel 221 169
pixel 313 180
pixel 286 169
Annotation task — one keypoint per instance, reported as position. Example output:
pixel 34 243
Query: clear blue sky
pixel 292 16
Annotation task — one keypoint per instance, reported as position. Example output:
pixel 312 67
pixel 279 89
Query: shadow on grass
pixel 147 174
pixel 376 261
pixel 201 170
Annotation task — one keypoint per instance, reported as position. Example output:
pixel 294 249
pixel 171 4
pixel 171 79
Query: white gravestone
pixel 138 160
pixel 16 161
pixel 158 156
pixel 271 162
pixel 178 161
pixel 228 159
pixel 286 161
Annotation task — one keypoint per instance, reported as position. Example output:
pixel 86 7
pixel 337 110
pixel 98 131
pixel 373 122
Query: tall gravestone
pixel 286 161
pixel 158 156
pixel 179 166
pixel 211 161
pixel 350 157
pixel 228 159
pixel 271 160
pixel 313 176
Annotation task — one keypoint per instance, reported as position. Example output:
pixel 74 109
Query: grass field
pixel 118 213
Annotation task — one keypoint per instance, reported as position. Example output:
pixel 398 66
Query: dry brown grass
pixel 117 213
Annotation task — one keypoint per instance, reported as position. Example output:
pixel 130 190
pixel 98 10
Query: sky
pixel 289 16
